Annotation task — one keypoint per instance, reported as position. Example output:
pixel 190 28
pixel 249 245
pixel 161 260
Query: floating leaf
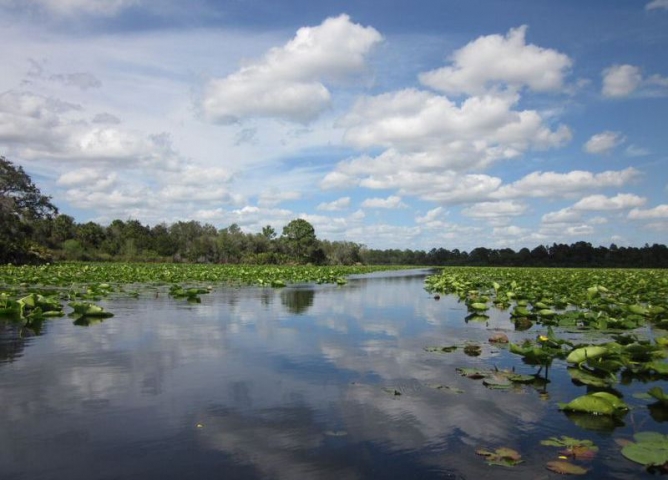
pixel 87 309
pixel 658 393
pixel 649 449
pixel 446 349
pixel 499 338
pixel 583 354
pixel 600 403
pixel 505 457
pixel 565 468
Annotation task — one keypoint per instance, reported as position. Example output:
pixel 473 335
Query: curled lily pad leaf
pixel 87 309
pixel 580 355
pixel 599 403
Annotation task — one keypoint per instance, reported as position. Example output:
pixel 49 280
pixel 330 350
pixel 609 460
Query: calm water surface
pixel 304 382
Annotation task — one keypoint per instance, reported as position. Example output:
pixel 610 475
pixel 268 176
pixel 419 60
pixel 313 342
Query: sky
pixel 394 124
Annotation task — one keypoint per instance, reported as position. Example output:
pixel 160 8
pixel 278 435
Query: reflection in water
pixel 297 300
pixel 298 383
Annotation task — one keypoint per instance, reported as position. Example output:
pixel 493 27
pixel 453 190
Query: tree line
pixel 33 231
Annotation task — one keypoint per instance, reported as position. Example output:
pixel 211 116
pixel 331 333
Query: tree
pixel 21 205
pixel 301 243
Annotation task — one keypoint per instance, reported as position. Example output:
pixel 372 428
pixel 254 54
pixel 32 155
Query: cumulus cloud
pixel 660 211
pixel 287 82
pixel 476 133
pixel 40 127
pixel 603 142
pixel 618 202
pixel 336 205
pixel 490 210
pixel 553 184
pixel 390 202
pixel 432 217
pixel 655 4
pixel 495 60
pixel 621 80
pixel 565 215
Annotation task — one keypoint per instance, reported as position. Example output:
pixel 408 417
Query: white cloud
pixel 660 211
pixel 336 205
pixel 273 197
pixel 491 210
pixel 92 178
pixel 39 127
pixel 621 80
pixel 390 202
pixel 552 184
pixel 654 4
pixel 287 82
pixel 603 142
pixel 494 59
pixel 565 215
pixel 476 133
pixel 618 202
pixel 432 216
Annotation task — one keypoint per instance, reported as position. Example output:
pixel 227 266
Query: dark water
pixel 293 383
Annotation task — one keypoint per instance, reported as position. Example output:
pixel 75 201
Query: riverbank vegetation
pixel 33 231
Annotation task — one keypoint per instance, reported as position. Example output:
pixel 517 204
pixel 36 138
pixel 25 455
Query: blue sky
pixel 394 124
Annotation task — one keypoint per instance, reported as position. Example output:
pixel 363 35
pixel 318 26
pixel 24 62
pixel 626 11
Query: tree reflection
pixel 297 301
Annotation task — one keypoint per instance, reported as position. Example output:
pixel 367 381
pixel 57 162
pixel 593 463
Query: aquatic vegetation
pixel 101 277
pixel 566 468
pixel 572 447
pixel 598 403
pixel 649 449
pixel 504 456
pixel 586 299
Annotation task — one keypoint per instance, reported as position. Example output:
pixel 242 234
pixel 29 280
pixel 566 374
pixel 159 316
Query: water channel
pixel 308 381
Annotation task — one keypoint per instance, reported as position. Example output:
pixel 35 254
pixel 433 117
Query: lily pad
pixel 445 349
pixel 599 403
pixel 505 457
pixel 565 468
pixel 659 394
pixel 649 449
pixel 580 355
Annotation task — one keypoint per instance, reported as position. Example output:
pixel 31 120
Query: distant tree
pixel 301 243
pixel 21 205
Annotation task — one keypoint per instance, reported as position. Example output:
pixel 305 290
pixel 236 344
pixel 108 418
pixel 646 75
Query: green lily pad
pixel 599 403
pixel 659 394
pixel 580 355
pixel 649 449
pixel 87 309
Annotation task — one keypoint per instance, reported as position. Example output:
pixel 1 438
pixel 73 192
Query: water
pixel 296 383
